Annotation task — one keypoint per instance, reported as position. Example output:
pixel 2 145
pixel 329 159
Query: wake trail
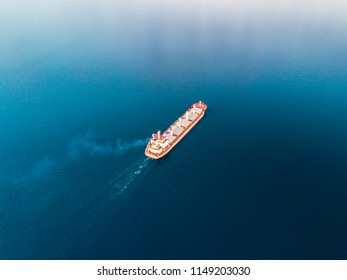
pixel 107 197
pixel 123 180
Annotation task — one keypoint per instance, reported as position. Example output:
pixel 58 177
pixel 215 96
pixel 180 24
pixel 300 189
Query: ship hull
pixel 180 136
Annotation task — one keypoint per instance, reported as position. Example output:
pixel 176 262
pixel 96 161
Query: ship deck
pixel 184 129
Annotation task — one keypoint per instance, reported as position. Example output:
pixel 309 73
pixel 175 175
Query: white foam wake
pixel 125 178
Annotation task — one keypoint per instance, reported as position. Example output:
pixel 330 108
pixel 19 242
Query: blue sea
pixel 84 84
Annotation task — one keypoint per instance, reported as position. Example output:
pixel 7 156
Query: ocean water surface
pixel 84 84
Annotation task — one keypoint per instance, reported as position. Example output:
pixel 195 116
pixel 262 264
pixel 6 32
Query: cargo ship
pixel 162 143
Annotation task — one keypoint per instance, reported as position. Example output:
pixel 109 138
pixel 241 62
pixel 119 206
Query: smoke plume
pixel 88 145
